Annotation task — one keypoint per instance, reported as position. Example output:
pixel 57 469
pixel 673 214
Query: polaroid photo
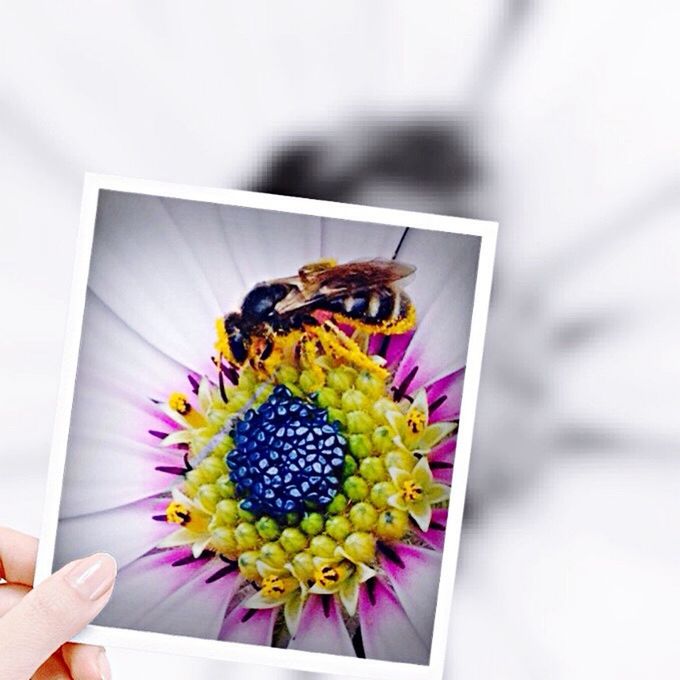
pixel 265 416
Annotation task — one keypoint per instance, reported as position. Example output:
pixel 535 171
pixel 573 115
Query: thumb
pixel 52 613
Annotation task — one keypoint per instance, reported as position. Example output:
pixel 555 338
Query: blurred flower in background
pixel 558 119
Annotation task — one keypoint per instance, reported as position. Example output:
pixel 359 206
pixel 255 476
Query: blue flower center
pixel 287 456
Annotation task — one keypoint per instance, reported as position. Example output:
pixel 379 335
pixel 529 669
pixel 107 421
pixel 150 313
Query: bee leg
pixel 309 353
pixel 341 347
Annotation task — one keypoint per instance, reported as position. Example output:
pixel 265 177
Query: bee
pixel 366 295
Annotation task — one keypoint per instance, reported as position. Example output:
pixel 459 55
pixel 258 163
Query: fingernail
pixel 93 576
pixel 104 666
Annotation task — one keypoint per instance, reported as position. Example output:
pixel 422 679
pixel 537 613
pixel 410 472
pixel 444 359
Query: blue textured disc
pixel 287 456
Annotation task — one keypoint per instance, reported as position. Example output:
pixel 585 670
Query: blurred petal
pixel 250 626
pixel 126 532
pixel 322 628
pixel 414 575
pixel 386 631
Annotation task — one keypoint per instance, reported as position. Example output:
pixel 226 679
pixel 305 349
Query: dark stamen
pixel 384 346
pixel 188 559
pixel 158 434
pixel 194 383
pixel 370 590
pixel 223 392
pixel 390 554
pixel 171 470
pixel 221 573
pixel 437 403
pixel 187 464
pixel 437 526
pixel 400 391
pixel 230 373
pixel 326 604
pixel 358 644
pixel 248 615
pixel 160 518
pixel 440 465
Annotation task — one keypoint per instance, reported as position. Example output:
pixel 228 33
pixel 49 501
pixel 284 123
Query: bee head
pixel 261 301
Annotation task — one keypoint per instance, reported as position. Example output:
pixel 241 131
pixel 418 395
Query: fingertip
pixel 86 662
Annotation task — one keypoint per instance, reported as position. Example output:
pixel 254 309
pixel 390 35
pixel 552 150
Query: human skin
pixel 36 623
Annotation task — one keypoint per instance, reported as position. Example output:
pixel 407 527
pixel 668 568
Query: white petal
pixel 202 229
pixel 126 532
pixel 149 582
pixel 346 240
pixel 439 258
pixel 250 626
pixel 415 579
pixel 386 631
pixel 267 244
pixel 144 270
pixel 107 471
pixel 196 608
pixel 443 304
pixel 322 630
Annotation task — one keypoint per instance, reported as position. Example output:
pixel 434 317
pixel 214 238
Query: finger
pixel 54 612
pixel 17 556
pixel 10 596
pixel 86 662
pixel 53 669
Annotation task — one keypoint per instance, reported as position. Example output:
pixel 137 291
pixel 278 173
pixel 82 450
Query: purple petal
pixel 126 532
pixel 441 459
pixel 250 626
pixel 386 631
pixel 391 347
pixel 153 595
pixel 444 396
pixel 435 534
pixel 415 579
pixel 322 628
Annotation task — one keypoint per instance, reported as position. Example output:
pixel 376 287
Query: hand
pixel 35 623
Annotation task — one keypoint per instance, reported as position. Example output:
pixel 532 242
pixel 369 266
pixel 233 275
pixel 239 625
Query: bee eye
pixel 237 345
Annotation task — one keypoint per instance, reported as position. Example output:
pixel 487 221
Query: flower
pixel 299 502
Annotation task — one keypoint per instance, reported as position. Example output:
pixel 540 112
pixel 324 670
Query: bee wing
pixel 343 279
pixel 360 275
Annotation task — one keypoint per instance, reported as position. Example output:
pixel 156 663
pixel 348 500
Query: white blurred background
pixel 559 119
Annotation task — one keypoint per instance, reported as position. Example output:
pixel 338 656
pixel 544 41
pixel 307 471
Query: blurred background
pixel 558 119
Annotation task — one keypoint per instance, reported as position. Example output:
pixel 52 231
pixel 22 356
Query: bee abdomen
pixel 373 306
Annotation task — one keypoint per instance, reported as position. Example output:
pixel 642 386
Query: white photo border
pixel 232 651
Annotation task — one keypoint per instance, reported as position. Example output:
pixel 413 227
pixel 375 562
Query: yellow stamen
pixel 330 575
pixel 411 491
pixel 273 587
pixel 416 421
pixel 340 347
pixel 177 513
pixel 222 342
pixel 180 404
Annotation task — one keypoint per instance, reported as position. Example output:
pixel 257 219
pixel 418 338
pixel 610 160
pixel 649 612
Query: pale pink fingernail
pixel 104 666
pixel 93 576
